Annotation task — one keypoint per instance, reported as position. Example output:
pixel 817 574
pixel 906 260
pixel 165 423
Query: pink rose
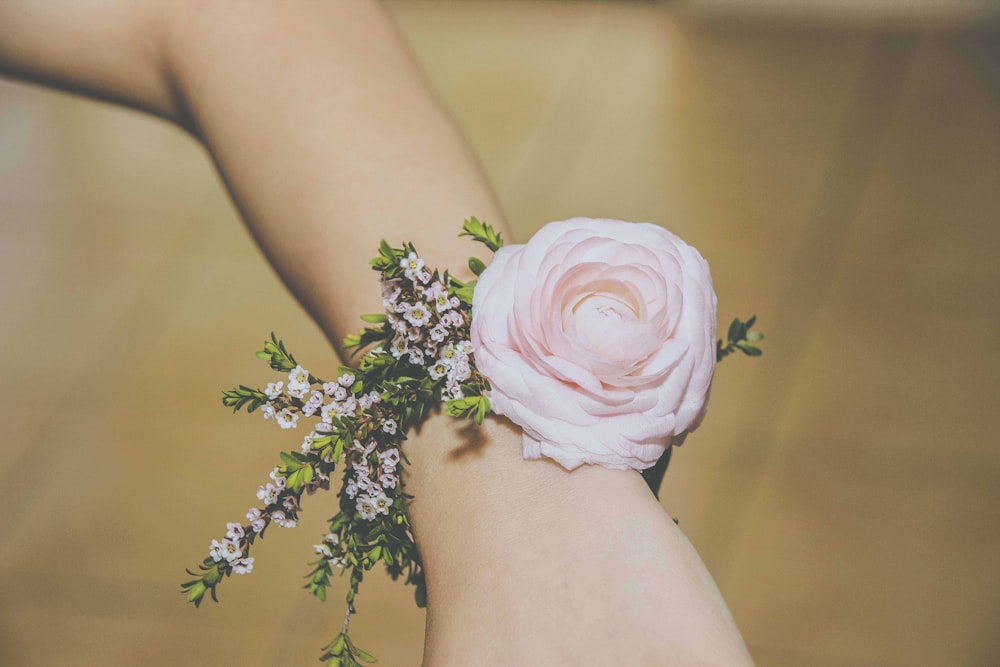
pixel 598 338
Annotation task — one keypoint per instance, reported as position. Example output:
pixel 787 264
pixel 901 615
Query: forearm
pixel 528 563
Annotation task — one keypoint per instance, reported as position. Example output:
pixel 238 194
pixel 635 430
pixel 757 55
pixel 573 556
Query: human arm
pixel 329 144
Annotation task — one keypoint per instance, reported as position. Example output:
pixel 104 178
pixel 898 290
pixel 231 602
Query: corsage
pixel 597 338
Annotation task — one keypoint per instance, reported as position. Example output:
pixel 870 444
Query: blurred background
pixel 838 163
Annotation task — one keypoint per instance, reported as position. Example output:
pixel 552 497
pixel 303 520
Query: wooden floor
pixel 842 179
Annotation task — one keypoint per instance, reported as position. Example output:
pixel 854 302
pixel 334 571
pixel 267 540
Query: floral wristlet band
pixel 597 338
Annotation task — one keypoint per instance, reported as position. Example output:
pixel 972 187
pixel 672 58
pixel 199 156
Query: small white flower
pixel 273 389
pixel 329 410
pixel 229 549
pixel 365 401
pixel 417 314
pixel 434 290
pixel 424 276
pixel 337 561
pixel 277 478
pixel 323 550
pixel 279 518
pixel 398 347
pixel 438 333
pixel 448 355
pixel 389 456
pixel 348 407
pixel 268 411
pixel 324 427
pixel 297 390
pixel 234 531
pixel 351 488
pixel 443 303
pixel 298 382
pixel 411 264
pixel 307 443
pixel 390 295
pixel 366 508
pixel 329 387
pixel 460 372
pixel 243 565
pixel 257 522
pixel 332 538
pixel 390 426
pixel 388 480
pixel 464 346
pixel 416 356
pixel 309 409
pixel 438 370
pixel 298 375
pixel 339 394
pixel 216 551
pixel 451 319
pixel 368 485
pixel 267 494
pixel 346 380
pixel 286 419
pixel 382 503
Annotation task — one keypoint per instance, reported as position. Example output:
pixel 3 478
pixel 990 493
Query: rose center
pixel 601 319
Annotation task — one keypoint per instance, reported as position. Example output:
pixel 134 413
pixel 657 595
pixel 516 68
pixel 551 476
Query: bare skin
pixel 329 140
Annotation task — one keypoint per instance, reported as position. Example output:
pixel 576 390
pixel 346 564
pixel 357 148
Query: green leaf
pixel 734 330
pixel 751 321
pixel 476 265
pixel 364 655
pixel 482 232
pixel 195 592
pixel 749 349
pixel 482 406
pixel 755 336
pixel 374 318
pixel 466 291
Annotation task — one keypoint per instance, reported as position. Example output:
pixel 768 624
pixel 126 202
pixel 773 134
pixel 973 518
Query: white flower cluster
pixel 342 402
pixel 430 331
pixel 331 550
pixel 230 549
pixel 283 513
pixel 428 325
pixel 368 486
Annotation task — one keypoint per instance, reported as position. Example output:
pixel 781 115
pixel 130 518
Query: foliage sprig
pixel 418 357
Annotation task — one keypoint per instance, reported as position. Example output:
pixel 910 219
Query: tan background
pixel 840 171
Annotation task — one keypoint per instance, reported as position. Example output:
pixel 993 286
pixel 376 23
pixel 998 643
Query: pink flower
pixel 598 338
